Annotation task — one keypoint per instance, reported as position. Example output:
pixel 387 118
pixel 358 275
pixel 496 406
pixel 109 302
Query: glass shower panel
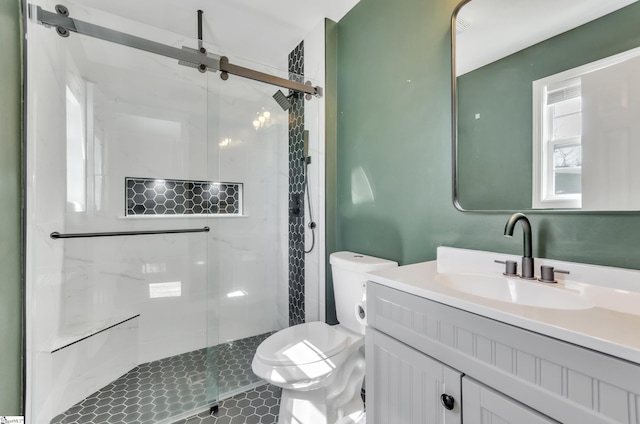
pixel 118 327
pixel 250 139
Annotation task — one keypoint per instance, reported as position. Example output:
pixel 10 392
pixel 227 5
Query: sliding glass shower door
pixel 166 219
pixel 123 191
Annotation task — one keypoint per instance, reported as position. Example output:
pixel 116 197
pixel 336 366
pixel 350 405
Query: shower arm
pixel 64 25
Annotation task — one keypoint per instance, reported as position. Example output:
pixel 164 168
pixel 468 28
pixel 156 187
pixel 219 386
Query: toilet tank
pixel 348 271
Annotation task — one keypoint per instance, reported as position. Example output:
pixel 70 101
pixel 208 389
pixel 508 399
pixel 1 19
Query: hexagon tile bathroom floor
pixel 258 406
pixel 153 392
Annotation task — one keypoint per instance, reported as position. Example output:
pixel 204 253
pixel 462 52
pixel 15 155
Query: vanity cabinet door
pixel 405 386
pixel 483 405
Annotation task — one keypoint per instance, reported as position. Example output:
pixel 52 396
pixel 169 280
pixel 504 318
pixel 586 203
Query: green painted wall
pixel 10 210
pixel 394 131
pixel 499 143
pixel 331 140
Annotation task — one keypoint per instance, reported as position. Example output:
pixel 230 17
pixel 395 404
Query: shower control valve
pixel 295 206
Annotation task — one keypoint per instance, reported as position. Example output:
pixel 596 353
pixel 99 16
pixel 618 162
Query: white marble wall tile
pixel 282 237
pixel 88 366
pixel 82 369
pixel 314 65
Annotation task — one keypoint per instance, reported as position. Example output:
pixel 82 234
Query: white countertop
pixel 611 326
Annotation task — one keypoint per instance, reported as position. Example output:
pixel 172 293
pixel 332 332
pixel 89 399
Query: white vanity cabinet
pixel 405 386
pixel 485 406
pixel 418 349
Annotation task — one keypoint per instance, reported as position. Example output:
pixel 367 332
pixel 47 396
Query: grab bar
pixel 56 235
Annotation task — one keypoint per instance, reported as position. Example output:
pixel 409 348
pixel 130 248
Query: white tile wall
pixel 314 67
pixel 151 120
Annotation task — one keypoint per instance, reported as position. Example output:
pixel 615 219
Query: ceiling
pixel 498 28
pixel 260 31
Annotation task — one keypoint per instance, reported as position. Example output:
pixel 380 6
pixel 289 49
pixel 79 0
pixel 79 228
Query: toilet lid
pixel 302 344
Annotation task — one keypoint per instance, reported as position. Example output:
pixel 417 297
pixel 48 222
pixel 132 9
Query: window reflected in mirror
pixel 596 103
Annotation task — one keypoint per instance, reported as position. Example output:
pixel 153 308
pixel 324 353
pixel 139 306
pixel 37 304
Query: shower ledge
pixel 98 327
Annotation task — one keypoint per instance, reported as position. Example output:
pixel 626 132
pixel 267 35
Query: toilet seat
pixel 303 357
pixel 302 344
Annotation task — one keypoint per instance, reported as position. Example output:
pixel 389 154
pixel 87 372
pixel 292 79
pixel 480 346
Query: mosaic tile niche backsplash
pixel 152 196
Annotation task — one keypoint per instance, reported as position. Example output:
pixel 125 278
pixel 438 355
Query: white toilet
pixel 321 367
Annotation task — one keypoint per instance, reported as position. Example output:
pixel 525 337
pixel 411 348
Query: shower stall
pixel 165 217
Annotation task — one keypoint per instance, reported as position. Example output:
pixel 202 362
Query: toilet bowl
pixel 320 367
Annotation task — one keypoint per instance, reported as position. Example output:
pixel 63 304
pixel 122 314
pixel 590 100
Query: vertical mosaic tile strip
pixel 158 390
pixel 145 196
pixel 296 191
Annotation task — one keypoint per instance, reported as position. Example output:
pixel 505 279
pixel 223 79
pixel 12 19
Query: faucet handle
pixel 511 267
pixel 547 274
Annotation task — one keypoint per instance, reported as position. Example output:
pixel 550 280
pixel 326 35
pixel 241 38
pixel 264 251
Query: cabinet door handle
pixel 447 401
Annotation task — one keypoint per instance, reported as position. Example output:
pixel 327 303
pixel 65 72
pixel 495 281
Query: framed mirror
pixel 546 105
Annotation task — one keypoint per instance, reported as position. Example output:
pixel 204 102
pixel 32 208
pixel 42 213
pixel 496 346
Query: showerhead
pixel 282 100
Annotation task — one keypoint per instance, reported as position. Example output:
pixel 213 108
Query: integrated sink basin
pixel 515 290
pixel 592 306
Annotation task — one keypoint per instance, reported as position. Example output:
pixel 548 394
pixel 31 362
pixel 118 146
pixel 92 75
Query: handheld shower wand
pixel 307 160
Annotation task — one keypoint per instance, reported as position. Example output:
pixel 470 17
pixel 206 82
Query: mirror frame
pixel 454 147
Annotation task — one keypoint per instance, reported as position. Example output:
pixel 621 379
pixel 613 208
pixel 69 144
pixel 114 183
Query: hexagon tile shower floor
pixel 155 391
